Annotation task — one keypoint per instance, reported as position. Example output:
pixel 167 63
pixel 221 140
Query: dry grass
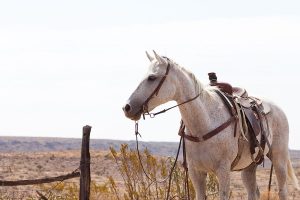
pixel 14 166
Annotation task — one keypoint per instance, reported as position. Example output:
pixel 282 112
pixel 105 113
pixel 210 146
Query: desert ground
pixel 31 165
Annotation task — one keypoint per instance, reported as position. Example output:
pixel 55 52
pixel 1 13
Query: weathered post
pixel 85 175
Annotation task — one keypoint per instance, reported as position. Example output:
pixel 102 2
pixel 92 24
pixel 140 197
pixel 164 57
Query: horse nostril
pixel 127 108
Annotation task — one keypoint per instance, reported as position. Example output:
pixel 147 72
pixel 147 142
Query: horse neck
pixel 196 114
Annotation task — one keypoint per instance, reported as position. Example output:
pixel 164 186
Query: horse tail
pixel 291 174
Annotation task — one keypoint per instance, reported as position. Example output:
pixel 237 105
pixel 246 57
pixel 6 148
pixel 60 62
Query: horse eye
pixel 151 78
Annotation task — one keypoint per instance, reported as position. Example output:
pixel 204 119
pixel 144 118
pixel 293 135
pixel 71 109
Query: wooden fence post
pixel 85 175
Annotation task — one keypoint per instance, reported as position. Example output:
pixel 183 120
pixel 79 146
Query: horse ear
pixel 149 57
pixel 159 58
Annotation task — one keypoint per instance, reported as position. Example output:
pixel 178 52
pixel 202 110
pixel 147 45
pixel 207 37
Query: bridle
pixel 144 106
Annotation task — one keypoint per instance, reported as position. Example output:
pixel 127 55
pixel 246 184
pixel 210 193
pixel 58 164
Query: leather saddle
pixel 251 107
pixel 239 94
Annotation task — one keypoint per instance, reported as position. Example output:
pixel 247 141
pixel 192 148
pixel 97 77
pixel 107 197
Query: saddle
pixel 251 113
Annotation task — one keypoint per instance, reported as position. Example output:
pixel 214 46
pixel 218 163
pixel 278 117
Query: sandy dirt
pixel 15 166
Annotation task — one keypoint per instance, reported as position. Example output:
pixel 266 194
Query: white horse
pixel 203 115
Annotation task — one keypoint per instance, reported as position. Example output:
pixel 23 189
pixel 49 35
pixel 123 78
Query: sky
pixel 65 64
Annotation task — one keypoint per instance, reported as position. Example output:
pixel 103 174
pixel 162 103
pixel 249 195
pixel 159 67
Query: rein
pixel 145 111
pixel 169 177
pixel 182 140
pixel 152 115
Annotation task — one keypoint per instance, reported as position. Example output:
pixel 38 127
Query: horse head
pixel 156 88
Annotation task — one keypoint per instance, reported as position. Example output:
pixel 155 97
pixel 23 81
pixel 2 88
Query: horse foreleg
pixel 249 180
pixel 199 182
pixel 223 174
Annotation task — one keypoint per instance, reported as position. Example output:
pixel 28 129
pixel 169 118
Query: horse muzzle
pixel 132 112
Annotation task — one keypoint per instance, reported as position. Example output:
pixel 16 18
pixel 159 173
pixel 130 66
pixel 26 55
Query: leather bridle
pixel 144 107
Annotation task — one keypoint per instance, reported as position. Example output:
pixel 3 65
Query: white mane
pixel 198 85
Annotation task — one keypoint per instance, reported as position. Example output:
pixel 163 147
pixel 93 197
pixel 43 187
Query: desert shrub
pixel 138 186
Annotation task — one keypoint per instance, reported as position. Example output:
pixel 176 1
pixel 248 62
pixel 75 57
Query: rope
pixel 186 184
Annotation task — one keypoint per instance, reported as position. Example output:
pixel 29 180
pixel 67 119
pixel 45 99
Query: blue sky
pixel 64 64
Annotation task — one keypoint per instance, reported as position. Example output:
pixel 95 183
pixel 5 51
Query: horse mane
pixel 198 85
